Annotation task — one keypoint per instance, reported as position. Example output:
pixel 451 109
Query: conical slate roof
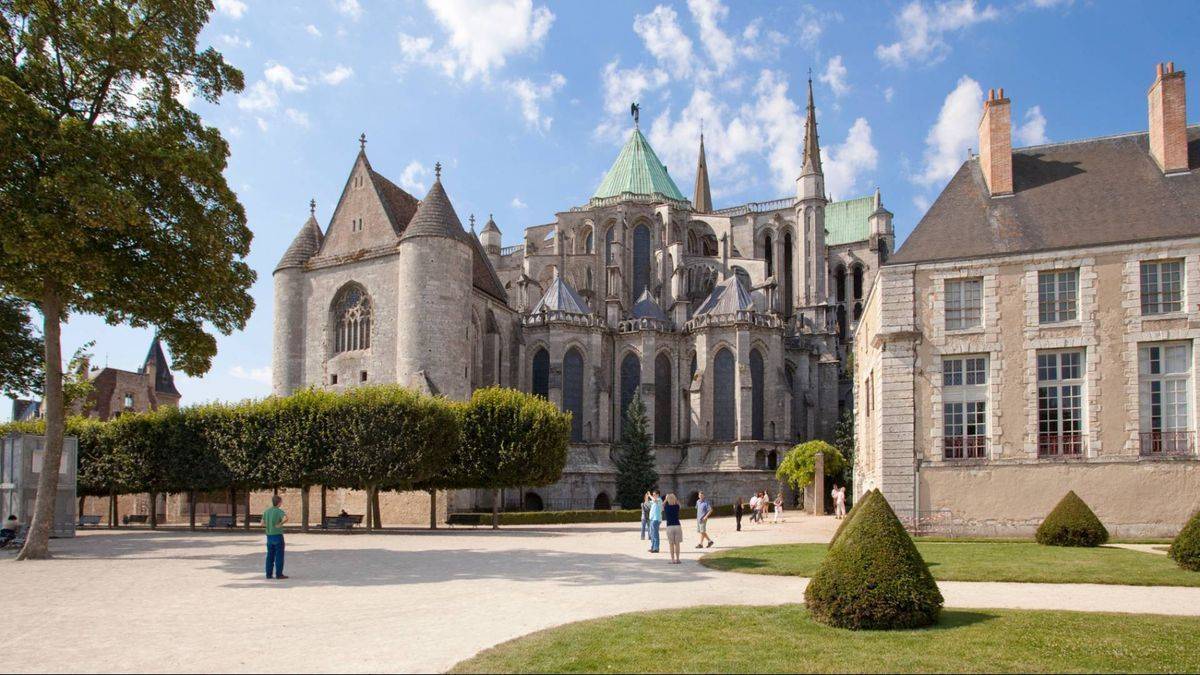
pixel 304 246
pixel 647 308
pixel 435 217
pixel 491 226
pixel 728 297
pixel 560 297
pixel 164 381
pixel 638 171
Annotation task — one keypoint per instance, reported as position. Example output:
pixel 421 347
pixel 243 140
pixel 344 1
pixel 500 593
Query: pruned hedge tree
pixel 1071 523
pixel 1185 550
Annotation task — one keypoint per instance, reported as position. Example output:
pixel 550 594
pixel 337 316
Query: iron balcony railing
pixel 1060 445
pixel 964 447
pixel 1158 443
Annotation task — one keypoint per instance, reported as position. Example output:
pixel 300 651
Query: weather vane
pixel 635 110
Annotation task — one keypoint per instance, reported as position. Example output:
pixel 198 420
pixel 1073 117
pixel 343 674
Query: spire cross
pixel 312 207
pixel 472 219
pixel 362 142
pixel 437 170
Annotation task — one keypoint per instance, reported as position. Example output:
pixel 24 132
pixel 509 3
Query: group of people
pixel 758 507
pixel 657 510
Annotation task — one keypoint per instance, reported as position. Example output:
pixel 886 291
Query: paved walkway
pixel 176 601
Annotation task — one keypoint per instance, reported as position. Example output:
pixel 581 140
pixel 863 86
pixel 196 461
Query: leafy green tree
pixel 113 193
pixel 799 466
pixel 843 440
pixel 635 463
pixel 20 350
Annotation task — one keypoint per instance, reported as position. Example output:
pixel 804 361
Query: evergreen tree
pixel 635 463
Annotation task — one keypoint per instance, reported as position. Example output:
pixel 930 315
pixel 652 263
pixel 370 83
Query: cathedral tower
pixel 434 304
pixel 811 274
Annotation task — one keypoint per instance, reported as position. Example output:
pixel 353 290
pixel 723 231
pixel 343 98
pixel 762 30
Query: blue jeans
pixel 654 535
pixel 645 525
pixel 275 554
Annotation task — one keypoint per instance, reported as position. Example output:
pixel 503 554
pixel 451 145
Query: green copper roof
pixel 846 221
pixel 638 171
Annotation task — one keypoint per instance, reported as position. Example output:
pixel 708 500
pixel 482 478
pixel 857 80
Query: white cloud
pixel 281 76
pixel 481 36
pixel 955 130
pixel 531 96
pixel 297 117
pixel 518 204
pixel 413 177
pixel 845 163
pixel 923 29
pixel 234 41
pixel 888 94
pixel 262 124
pixel 261 375
pixel 1033 131
pixel 783 128
pixel 922 203
pixel 811 25
pixel 258 96
pixel 349 9
pixel 313 30
pixel 760 44
pixel 835 77
pixel 233 9
pixel 415 48
pixel 707 14
pixel 665 41
pixel 623 86
pixel 338 75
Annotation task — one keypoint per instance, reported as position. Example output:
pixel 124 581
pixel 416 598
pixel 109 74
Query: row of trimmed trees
pixel 373 439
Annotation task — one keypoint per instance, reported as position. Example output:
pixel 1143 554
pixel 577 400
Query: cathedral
pixel 731 324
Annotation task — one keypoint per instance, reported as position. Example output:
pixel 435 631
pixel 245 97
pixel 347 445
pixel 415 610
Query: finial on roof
pixel 312 207
pixel 362 142
pixel 472 219
pixel 437 170
pixel 635 110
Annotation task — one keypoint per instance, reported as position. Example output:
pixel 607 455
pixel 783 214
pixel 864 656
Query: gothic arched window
pixel 351 319
pixel 609 237
pixel 641 260
pixel 788 266
pixel 769 255
pixel 631 379
pixel 724 404
pixel 756 395
pixel 573 391
pixel 662 399
pixel 540 380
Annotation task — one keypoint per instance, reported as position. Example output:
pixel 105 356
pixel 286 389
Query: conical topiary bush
pixel 1185 550
pixel 854 510
pixel 1071 523
pixel 873 577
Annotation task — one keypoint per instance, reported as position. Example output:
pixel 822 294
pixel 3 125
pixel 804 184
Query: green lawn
pixel 982 561
pixel 784 639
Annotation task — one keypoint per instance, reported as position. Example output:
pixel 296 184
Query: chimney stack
pixel 995 144
pixel 1168 120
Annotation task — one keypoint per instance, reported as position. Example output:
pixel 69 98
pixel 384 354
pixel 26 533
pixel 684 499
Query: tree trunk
pixel 304 508
pixel 323 511
pixel 375 509
pixel 192 510
pixel 247 510
pixel 37 543
pixel 153 510
pixel 496 509
pixel 81 505
pixel 433 509
pixel 369 512
pixel 112 511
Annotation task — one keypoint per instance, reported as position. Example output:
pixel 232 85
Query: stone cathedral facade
pixel 731 324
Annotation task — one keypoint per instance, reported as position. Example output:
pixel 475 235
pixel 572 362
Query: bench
pixel 131 518
pixel 345 522
pixel 88 520
pixel 255 518
pixel 220 521
pixel 472 519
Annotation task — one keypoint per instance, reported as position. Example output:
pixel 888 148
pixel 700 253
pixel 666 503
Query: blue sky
pixel 526 104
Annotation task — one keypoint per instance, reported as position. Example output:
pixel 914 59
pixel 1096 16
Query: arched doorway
pixel 602 502
pixel 533 502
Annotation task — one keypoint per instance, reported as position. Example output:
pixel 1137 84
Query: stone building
pixel 729 323
pixel 1037 333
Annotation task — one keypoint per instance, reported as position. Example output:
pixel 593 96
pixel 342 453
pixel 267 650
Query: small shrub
pixel 1185 550
pixel 854 510
pixel 1071 523
pixel 873 577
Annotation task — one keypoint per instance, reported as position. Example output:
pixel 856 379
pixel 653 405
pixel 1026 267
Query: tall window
pixel 769 255
pixel 963 303
pixel 757 404
pixel 662 399
pixel 1162 286
pixel 573 391
pixel 964 407
pixel 724 403
pixel 540 380
pixel 1164 382
pixel 641 260
pixel 1060 403
pixel 352 320
pixel 609 237
pixel 631 379
pixel 1058 294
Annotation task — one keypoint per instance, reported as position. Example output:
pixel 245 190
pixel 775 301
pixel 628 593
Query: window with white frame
pixel 964 299
pixel 1060 403
pixel 1164 392
pixel 964 407
pixel 1058 293
pixel 1162 286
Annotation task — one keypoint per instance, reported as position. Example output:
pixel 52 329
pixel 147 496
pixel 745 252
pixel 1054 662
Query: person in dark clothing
pixel 737 513
pixel 674 527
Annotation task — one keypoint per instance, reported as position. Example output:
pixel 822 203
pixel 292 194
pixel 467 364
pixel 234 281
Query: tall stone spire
pixel 702 200
pixel 812 147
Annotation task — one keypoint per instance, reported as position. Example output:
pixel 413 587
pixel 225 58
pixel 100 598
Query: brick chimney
pixel 1168 119
pixel 995 144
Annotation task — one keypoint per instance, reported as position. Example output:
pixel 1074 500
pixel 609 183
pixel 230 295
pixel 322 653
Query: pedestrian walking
pixel 778 508
pixel 839 501
pixel 674 528
pixel 273 520
pixel 645 514
pixel 754 508
pixel 737 513
pixel 655 516
pixel 703 511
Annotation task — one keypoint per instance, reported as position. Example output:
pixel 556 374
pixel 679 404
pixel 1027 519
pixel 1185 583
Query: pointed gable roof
pixel 727 297
pixel 812 146
pixel 164 381
pixel 304 246
pixel 702 200
pixel 638 171
pixel 397 204
pixel 560 297
pixel 435 217
pixel 647 307
pixel 491 226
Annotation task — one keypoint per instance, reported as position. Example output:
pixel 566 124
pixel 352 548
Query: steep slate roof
pixel 397 204
pixel 846 221
pixel 1067 195
pixel 560 297
pixel 638 171
pixel 727 297
pixel 304 246
pixel 491 226
pixel 647 308
pixel 164 381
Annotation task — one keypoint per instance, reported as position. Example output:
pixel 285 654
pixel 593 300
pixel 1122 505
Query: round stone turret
pixel 287 369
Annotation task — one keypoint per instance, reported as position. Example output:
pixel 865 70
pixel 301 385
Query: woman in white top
pixel 754 507
pixel 839 501
pixel 778 508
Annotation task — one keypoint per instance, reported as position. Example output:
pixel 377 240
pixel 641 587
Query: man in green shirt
pixel 273 520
